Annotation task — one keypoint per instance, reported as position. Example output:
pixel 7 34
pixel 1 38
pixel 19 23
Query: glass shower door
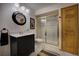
pixel 51 30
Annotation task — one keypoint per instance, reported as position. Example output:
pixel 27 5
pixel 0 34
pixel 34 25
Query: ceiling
pixel 36 6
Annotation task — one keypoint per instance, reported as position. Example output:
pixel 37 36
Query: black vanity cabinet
pixel 22 46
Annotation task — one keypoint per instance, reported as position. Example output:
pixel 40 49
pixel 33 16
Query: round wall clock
pixel 19 18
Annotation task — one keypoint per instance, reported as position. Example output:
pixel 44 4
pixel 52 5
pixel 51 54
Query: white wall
pixel 6 11
pixel 51 8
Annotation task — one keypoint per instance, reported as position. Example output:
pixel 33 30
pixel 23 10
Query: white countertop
pixel 22 34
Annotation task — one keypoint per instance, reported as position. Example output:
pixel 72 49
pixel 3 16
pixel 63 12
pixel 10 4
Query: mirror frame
pixel 15 20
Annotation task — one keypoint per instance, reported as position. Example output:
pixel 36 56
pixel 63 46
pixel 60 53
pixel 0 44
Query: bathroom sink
pixel 22 34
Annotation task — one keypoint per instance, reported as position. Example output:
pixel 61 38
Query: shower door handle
pixel 45 34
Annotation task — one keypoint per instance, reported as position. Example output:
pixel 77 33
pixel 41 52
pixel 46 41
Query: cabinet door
pixel 25 45
pixel 69 29
pixel 13 46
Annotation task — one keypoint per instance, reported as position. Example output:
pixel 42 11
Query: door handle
pixel 45 34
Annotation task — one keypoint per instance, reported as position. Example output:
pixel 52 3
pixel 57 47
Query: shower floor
pixel 49 48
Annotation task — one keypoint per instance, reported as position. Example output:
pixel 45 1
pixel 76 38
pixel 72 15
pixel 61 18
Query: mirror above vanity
pixel 19 18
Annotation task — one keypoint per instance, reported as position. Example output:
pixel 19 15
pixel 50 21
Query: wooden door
pixel 69 28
